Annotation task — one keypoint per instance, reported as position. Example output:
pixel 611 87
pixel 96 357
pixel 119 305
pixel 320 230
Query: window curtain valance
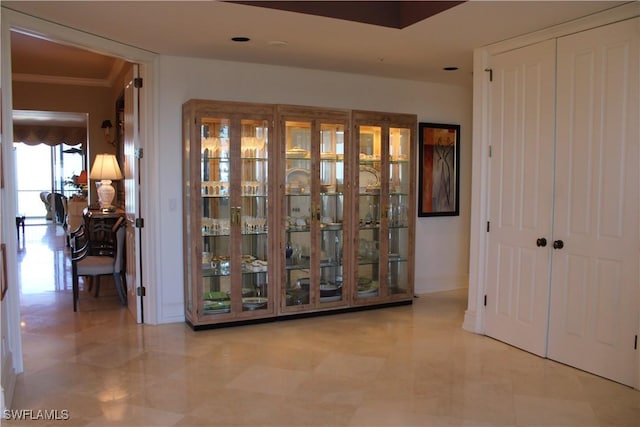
pixel 49 135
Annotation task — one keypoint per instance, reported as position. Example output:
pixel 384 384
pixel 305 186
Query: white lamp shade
pixel 105 166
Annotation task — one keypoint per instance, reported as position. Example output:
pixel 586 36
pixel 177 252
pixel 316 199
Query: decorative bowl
pixel 253 303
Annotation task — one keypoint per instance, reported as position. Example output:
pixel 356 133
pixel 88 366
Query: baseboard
pixel 470 322
pixel 9 377
pixel 428 285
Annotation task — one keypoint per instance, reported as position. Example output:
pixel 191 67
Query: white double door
pixel 564 241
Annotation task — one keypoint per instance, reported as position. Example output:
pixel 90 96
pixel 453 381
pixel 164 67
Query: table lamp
pixel 82 178
pixel 105 168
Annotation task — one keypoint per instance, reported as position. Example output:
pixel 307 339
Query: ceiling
pixel 204 29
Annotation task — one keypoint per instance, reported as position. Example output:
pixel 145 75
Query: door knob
pixel 541 242
pixel 558 244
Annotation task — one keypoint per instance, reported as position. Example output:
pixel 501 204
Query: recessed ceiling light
pixel 240 39
pixel 450 68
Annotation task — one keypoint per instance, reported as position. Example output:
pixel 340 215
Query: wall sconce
pixel 106 127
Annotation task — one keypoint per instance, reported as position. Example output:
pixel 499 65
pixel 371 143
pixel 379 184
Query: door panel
pixel 521 189
pixel 132 194
pixel 594 294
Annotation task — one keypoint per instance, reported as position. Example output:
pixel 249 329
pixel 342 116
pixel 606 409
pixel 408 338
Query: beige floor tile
pixel 541 411
pixel 268 380
pixel 401 366
pixel 351 366
pixel 332 389
pixel 123 414
pixel 241 407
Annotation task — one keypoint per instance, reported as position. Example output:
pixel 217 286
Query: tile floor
pixel 402 366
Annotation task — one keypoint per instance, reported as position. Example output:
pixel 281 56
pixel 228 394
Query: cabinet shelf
pixel 253 272
pixel 398 227
pixel 330 264
pixel 370 227
pixel 300 266
pixel 298 230
pixel 219 159
pixel 365 261
pixel 209 272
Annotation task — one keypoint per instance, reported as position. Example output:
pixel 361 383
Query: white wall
pixel 441 243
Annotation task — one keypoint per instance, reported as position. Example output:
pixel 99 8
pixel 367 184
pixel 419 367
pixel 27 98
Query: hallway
pixel 401 366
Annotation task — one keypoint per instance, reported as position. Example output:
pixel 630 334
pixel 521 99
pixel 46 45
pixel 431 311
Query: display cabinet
pixel 315 195
pixel 293 210
pixel 385 208
pixel 227 216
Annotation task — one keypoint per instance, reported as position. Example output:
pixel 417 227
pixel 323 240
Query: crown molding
pixel 60 80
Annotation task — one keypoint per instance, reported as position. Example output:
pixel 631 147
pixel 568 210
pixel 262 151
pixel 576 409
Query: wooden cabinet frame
pixel 195 112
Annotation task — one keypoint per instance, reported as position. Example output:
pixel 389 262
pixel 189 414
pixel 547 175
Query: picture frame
pixel 439 169
pixel 4 282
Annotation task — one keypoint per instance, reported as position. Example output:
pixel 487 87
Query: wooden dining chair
pixel 85 263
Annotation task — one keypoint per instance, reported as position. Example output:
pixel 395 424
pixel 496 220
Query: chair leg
pixel 75 291
pixel 117 277
pixel 97 287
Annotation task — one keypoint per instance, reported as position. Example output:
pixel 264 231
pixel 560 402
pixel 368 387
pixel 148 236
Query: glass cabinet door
pixel 299 212
pixel 314 148
pixel 369 211
pixel 235 215
pixel 331 212
pixel 385 201
pixel 216 215
pixel 397 207
pixel 254 214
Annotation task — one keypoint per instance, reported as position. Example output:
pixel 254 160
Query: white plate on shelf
pixel 298 180
pixel 369 178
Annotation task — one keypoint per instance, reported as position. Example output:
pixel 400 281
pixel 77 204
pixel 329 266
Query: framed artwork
pixel 439 185
pixel 4 282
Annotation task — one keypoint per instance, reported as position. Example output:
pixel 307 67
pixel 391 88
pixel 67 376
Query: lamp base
pixel 106 193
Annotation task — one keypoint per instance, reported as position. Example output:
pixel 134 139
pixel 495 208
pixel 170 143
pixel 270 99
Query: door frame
pixel 474 318
pixel 147 61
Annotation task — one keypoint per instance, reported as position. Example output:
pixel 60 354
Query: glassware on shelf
pixel 215 188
